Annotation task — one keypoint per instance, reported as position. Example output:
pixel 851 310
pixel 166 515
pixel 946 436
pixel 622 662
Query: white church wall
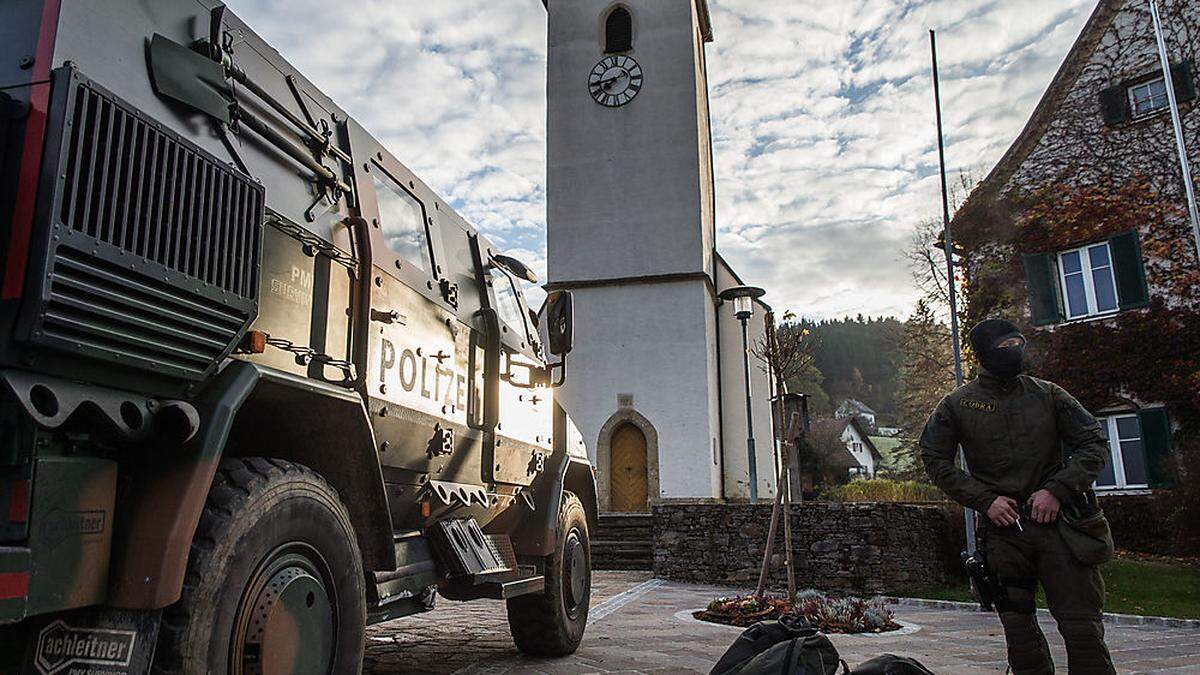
pixel 733 400
pixel 597 198
pixel 716 467
pixel 704 130
pixel 657 329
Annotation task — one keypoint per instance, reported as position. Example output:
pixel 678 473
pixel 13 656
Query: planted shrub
pixel 828 614
pixel 884 490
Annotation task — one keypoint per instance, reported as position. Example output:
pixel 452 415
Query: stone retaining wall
pixel 862 548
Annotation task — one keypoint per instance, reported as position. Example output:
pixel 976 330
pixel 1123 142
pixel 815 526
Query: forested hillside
pixel 855 357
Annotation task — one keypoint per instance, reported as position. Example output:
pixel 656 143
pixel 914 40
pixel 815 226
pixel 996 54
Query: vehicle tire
pixel 274 578
pixel 551 623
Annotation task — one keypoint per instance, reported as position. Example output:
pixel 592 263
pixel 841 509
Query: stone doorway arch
pixel 625 418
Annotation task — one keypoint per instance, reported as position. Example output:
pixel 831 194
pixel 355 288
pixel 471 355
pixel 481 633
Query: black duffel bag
pixel 788 646
pixel 890 664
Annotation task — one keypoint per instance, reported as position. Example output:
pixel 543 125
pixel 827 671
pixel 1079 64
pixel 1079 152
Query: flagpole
pixel 1169 82
pixel 948 241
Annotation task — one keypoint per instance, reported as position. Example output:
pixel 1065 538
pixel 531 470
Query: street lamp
pixel 743 308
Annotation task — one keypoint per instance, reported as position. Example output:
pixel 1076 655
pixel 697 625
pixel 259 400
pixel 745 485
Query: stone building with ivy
pixel 1081 233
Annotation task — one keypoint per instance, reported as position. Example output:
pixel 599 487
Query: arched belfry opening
pixel 618 31
pixel 627 463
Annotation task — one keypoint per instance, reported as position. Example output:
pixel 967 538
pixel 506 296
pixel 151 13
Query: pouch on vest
pixel 1085 531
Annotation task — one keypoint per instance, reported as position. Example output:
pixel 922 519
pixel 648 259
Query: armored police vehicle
pixel 261 386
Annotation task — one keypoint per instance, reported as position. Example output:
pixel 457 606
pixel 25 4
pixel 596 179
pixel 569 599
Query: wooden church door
pixel 628 489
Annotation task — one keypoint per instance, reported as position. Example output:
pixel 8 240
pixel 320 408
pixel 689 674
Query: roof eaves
pixel 1093 31
pixel 706 30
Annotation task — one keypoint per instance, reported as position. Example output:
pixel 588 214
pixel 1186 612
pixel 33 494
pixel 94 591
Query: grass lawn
pixel 1134 587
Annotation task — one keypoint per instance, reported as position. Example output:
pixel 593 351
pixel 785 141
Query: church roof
pixel 706 30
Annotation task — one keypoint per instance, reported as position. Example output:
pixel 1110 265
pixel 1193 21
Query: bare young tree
pixel 794 350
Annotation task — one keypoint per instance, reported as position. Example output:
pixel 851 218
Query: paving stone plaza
pixel 643 625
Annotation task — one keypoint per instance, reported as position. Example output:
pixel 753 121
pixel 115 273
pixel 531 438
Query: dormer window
pixel 618 31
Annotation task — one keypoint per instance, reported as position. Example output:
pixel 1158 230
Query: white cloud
pixel 822 117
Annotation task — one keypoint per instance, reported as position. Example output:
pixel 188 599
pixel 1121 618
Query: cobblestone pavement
pixel 639 625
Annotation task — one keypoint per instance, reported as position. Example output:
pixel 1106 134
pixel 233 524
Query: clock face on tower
pixel 615 80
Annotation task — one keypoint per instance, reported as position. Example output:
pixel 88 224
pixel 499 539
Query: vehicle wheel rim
pixel 575 573
pixel 287 617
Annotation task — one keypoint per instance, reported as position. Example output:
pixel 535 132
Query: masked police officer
pixel 1012 429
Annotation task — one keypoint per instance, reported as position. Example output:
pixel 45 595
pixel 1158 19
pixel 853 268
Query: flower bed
pixel 828 614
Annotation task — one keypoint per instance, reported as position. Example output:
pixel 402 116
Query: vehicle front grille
pixel 98 307
pixel 152 246
pixel 150 194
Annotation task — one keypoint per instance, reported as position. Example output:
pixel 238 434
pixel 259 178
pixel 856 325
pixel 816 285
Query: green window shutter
pixel 1156 438
pixel 1128 270
pixel 1113 106
pixel 1041 275
pixel 1184 81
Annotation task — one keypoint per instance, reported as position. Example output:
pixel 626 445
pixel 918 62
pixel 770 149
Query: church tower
pixel 631 232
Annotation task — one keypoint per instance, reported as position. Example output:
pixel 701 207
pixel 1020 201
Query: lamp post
pixel 743 308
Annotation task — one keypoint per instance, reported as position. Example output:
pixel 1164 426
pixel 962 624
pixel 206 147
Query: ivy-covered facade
pixel 1081 234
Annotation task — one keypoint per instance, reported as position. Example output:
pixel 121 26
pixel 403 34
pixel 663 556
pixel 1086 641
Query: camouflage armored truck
pixel 261 386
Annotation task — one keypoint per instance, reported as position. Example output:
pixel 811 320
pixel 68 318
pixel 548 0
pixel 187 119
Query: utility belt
pixel 1085 532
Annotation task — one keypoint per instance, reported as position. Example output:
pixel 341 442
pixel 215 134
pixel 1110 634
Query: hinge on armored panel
pixel 537 463
pixel 442 442
pixel 449 292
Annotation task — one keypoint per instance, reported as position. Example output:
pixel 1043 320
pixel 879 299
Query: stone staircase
pixel 623 541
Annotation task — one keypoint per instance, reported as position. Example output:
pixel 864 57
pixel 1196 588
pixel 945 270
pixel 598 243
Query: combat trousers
pixel 1074 592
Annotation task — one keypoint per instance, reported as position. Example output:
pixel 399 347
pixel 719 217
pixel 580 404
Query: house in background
pixel 861 448
pixel 854 408
pixel 1081 233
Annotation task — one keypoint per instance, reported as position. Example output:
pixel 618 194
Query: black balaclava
pixel 1004 363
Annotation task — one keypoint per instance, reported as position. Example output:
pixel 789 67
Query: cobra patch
pixel 981 406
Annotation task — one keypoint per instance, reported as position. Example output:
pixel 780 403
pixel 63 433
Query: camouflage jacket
pixel 1013 434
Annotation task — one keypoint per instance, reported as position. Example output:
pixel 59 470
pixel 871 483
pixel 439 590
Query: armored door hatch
pixel 153 245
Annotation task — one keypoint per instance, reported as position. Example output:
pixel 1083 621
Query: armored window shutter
pixel 1184 80
pixel 1042 277
pixel 1156 439
pixel 1129 271
pixel 1113 106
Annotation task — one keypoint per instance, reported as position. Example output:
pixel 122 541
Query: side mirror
pixel 560 323
pixel 517 268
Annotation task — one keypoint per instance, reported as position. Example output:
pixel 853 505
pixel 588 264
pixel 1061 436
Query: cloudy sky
pixel 822 117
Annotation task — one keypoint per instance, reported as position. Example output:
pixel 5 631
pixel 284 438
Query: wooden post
pixel 789 448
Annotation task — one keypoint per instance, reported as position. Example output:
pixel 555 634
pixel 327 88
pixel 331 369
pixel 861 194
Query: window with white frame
pixel 1147 98
pixel 1126 467
pixel 1088 285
